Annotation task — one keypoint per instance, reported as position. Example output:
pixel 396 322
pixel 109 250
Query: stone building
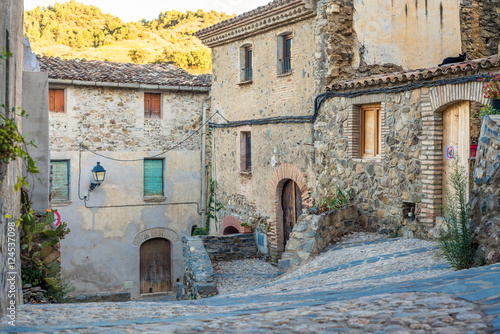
pixel 393 139
pixel 11 39
pixel 283 144
pixel 140 122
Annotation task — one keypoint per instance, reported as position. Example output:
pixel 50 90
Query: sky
pixel 129 10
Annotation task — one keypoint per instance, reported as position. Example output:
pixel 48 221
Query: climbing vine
pixel 213 206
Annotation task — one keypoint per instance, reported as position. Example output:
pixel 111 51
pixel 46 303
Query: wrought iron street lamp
pixel 99 173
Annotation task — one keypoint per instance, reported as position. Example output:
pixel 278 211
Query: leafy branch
pixel 13 145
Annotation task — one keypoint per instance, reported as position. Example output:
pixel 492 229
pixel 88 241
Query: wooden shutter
pixel 59 100
pixel 52 100
pixel 152 105
pixel 153 177
pixel 155 105
pixel 249 151
pixel 147 105
pixel 60 180
pixel 245 151
pixel 56 100
pixel 370 131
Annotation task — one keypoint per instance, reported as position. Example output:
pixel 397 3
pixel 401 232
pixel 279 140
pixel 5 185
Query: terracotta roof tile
pixel 248 15
pixel 103 71
pixel 417 75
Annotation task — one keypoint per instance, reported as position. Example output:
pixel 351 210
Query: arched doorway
pixel 456 141
pixel 230 230
pixel 155 266
pixel 291 202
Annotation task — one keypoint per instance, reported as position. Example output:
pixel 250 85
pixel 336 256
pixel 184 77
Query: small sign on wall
pixel 450 152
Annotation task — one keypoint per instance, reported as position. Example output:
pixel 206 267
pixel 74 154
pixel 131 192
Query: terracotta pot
pixel 495 103
pixel 246 229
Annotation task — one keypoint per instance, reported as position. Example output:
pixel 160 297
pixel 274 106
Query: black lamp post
pixel 99 173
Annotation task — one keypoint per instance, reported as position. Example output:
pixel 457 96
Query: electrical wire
pixel 156 155
pixel 321 98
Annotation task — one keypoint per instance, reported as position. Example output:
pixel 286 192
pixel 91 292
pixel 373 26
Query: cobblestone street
pixel 365 284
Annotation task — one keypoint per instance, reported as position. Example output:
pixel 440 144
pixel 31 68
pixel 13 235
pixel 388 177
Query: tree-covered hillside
pixel 75 30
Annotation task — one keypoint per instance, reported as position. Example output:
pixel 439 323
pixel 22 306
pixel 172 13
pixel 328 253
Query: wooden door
pixel 456 140
pixel 155 266
pixel 292 208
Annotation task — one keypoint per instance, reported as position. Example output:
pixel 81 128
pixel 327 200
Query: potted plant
pixel 245 228
pixel 491 90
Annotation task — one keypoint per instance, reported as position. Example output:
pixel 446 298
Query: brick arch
pixel 432 105
pixel 230 221
pixel 283 173
pixel 442 97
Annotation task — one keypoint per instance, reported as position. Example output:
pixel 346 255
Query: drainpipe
pixel 204 164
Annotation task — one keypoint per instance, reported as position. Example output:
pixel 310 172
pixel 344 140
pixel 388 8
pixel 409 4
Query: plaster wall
pixel 36 128
pixel 412 34
pixel 99 255
pixel 246 196
pixel 11 38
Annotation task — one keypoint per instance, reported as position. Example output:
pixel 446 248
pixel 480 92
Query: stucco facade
pixel 103 251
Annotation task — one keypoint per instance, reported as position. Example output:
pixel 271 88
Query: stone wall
pixel 11 38
pixel 402 189
pixel 198 281
pixel 480 26
pixel 112 119
pixel 230 247
pixel 486 191
pixel 380 185
pixel 246 195
pixel 313 233
pixel 111 122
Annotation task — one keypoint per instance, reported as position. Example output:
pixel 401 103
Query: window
pixel 246 151
pixel 370 130
pixel 153 177
pixel 152 105
pixel 285 53
pixel 56 100
pixel 60 180
pixel 246 59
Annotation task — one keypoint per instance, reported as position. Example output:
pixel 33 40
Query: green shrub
pixel 486 110
pixel 456 236
pixel 339 200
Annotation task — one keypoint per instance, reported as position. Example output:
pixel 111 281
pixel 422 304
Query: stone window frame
pixel 280 49
pixel 354 128
pixel 244 48
pixel 64 112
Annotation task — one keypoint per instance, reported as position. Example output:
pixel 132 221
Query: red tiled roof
pixel 417 75
pixel 248 15
pixel 103 71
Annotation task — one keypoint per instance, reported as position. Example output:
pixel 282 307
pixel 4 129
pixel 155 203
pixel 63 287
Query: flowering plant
pixel 491 89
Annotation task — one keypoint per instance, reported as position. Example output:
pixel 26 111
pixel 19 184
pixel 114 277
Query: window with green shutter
pixel 60 180
pixel 153 177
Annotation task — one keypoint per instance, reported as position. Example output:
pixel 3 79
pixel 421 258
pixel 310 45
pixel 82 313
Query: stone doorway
pixel 291 203
pixel 155 266
pixel 456 141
